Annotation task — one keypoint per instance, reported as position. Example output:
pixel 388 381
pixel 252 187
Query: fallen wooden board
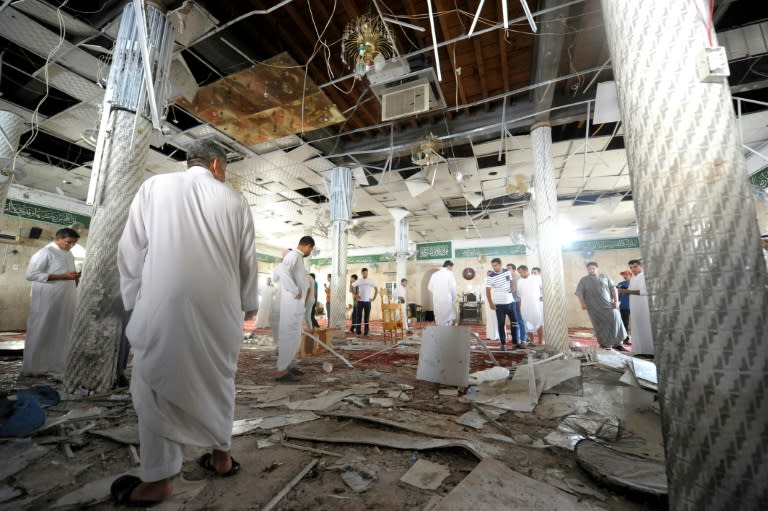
pixel 17 454
pixel 512 395
pixel 492 486
pixel 125 434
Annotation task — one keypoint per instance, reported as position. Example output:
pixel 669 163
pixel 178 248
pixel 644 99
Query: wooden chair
pixel 391 321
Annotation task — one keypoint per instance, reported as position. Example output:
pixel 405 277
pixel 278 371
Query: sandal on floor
pixel 121 492
pixel 205 462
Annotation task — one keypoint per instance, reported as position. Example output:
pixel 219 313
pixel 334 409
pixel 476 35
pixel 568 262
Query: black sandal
pixel 205 462
pixel 121 490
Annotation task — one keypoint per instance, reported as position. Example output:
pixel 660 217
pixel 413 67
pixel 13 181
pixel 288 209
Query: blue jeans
pixel 504 310
pixel 520 323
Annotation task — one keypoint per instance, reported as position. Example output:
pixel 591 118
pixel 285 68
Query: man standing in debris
pixel 366 291
pixel 599 297
pixel 51 310
pixel 640 316
pixel 188 270
pixel 294 289
pixel 624 300
pixel 498 291
pixel 521 331
pixel 531 304
pixel 402 297
pixel 442 285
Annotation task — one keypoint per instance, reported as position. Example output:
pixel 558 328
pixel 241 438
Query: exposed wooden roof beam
pixel 443 5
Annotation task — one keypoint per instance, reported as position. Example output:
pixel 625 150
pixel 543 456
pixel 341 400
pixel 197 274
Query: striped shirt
pixel 500 286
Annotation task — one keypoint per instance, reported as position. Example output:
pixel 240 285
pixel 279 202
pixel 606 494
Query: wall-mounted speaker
pixel 35 233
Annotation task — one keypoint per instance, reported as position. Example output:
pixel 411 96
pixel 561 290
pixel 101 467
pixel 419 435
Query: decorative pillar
pixel 121 153
pixel 550 254
pixel 401 242
pixel 531 233
pixel 341 214
pixel 11 127
pixel 700 243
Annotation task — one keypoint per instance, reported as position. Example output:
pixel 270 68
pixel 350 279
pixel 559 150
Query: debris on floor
pixel 428 423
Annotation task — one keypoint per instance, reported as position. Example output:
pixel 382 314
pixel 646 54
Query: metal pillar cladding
pixel 531 234
pixel 550 253
pixel 401 242
pixel 700 242
pixel 121 154
pixel 11 127
pixel 341 214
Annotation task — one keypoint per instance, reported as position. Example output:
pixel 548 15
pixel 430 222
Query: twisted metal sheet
pixel 98 325
pixel 550 254
pixel 700 242
pixel 12 126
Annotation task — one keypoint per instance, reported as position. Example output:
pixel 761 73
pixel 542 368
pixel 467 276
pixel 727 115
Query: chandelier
pixel 425 153
pixel 367 43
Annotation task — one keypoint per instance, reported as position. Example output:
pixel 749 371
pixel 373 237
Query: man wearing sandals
pixel 187 271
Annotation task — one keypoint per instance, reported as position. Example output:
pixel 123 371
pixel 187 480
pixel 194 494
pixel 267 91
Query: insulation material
pixel 444 355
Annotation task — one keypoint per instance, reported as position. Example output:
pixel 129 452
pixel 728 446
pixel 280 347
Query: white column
pixel 550 254
pixel 703 263
pixel 121 155
pixel 341 214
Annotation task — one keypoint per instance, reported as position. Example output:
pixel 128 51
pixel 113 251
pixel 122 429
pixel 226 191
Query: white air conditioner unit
pixel 412 94
pixel 410 99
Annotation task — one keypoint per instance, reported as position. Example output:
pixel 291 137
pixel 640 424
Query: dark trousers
pixel 124 347
pixel 521 331
pixel 625 319
pixel 315 324
pixel 504 310
pixel 363 315
pixel 355 318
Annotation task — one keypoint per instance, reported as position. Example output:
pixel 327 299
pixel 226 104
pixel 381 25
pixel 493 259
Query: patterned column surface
pixel 98 324
pixel 12 126
pixel 121 153
pixel 341 213
pixel 700 242
pixel 550 254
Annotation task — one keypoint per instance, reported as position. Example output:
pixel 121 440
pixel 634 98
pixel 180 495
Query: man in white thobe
pixel 54 279
pixel 188 270
pixel 294 287
pixel 639 312
pixel 265 305
pixel 528 287
pixel 442 285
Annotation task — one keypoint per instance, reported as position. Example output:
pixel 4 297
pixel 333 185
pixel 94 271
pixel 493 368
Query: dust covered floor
pixel 362 429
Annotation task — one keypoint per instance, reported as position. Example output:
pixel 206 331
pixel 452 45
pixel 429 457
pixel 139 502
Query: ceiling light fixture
pixel 367 43
pixel 434 40
pixel 474 21
pixel 425 153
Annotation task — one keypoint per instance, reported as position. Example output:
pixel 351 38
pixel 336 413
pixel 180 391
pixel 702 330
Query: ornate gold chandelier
pixel 426 152
pixel 366 43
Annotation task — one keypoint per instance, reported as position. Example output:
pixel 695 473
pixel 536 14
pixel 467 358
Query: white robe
pixel 491 323
pixel 188 270
pixel 51 311
pixel 442 285
pixel 293 281
pixel 531 306
pixel 640 317
pixel 265 306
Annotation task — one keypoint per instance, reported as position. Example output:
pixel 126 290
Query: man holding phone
pixel 51 310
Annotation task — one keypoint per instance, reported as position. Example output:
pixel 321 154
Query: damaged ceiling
pixel 266 79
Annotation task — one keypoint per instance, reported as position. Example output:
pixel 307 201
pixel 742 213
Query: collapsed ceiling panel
pixel 265 102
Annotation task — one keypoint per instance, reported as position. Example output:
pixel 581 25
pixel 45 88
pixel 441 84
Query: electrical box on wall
pixel 712 65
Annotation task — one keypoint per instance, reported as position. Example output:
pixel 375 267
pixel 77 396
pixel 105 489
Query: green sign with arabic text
pixel 613 244
pixel 436 250
pixel 504 250
pixel 45 214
